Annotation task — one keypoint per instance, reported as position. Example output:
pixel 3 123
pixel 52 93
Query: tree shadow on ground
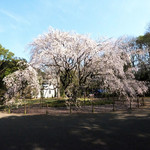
pixel 103 131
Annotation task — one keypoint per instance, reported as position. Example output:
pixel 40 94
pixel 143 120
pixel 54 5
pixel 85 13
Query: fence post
pixel 91 97
pixel 25 110
pixel 138 105
pixel 92 107
pixel 9 110
pixel 130 104
pixel 70 108
pixel 143 101
pixel 84 98
pixel 113 104
pixel 46 109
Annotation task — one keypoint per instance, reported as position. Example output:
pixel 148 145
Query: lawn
pixel 121 130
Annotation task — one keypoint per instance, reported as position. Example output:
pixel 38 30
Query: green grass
pixel 56 103
pixel 96 102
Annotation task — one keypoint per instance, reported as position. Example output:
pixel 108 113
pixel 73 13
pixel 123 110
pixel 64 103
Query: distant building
pixel 48 82
pixel 48 90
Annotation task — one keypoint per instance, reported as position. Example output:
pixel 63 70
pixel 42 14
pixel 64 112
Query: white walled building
pixel 49 90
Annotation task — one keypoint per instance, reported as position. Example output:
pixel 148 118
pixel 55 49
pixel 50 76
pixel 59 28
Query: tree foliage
pixel 5 57
pixel 143 42
pixel 8 65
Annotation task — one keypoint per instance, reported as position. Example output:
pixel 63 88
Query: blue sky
pixel 23 20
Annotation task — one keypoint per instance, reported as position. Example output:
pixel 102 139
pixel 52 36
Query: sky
pixel 21 21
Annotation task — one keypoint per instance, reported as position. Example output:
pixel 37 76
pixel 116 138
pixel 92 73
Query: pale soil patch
pixel 4 114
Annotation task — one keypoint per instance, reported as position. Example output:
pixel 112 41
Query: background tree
pixel 143 59
pixel 8 65
pixel 5 57
pixel 116 71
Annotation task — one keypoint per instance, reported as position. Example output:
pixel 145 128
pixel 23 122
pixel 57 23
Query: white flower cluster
pixel 117 72
pixel 22 82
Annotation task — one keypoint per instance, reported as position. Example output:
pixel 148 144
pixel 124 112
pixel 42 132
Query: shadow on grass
pixel 105 131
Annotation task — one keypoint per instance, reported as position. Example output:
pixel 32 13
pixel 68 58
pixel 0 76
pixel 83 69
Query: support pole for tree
pixel 84 98
pixel 9 110
pixel 70 109
pixel 113 105
pixel 143 102
pixel 41 98
pixel 123 100
pixel 92 107
pixel 25 111
pixel 40 103
pixel 46 109
pixel 130 104
pixel 58 85
pixel 29 105
pixel 92 103
pixel 138 104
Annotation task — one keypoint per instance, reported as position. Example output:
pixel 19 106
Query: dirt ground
pixel 120 130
